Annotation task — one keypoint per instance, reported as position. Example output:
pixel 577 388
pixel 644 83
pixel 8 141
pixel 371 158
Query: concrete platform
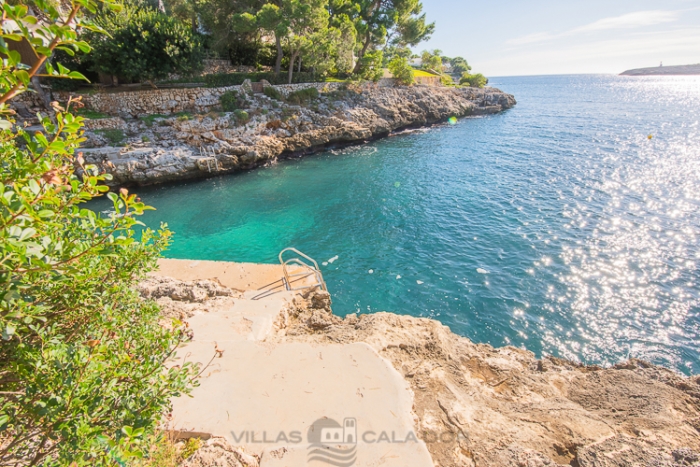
pixel 276 400
pixel 239 276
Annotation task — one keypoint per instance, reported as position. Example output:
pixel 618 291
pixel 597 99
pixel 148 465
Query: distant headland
pixel 664 70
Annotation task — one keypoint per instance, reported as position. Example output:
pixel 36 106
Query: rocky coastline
pixel 160 148
pixel 490 406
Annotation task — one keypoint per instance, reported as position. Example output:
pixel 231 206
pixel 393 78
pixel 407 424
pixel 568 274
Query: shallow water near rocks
pixel 558 226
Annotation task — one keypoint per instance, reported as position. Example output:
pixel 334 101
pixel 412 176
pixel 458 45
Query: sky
pixel 544 37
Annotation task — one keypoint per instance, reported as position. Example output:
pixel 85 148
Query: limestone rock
pixel 208 144
pixel 195 291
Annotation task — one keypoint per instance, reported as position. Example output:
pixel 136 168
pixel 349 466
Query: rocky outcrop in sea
pixel 160 149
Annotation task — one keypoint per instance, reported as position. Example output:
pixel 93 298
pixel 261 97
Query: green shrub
pixel 476 81
pixel 115 136
pixel 401 70
pixel 146 45
pixel 82 356
pixel 236 79
pixel 241 117
pixel 145 139
pixel 273 93
pixel 371 68
pixel 302 95
pixel 446 80
pixel 149 119
pixel 232 100
pixel 92 114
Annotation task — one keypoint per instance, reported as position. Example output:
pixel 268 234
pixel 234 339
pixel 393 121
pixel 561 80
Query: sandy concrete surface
pixel 272 398
pixel 237 276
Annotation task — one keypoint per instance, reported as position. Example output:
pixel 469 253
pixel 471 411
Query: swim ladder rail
pixel 310 265
pixel 309 268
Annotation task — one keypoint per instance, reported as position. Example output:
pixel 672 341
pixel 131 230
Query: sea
pixel 568 225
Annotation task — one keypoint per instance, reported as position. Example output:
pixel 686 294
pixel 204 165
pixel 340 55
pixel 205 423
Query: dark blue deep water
pixel 557 226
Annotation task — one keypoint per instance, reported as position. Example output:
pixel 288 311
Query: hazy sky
pixel 533 37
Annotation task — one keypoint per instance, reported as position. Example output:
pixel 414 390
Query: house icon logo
pixel 331 443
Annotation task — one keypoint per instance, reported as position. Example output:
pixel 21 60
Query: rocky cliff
pixel 476 405
pixel 191 146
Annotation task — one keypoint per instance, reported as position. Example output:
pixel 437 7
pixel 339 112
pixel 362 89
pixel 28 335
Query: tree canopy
pixel 147 45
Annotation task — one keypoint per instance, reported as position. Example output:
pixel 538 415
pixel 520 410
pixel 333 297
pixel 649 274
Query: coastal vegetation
pixel 314 39
pixel 144 45
pixel 82 357
pixel 476 81
pixel 401 70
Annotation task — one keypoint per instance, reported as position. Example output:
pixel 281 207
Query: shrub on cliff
pixel 475 81
pixel 273 93
pixel 146 45
pixel 241 117
pixel 229 101
pixel 401 70
pixel 302 95
pixel 82 357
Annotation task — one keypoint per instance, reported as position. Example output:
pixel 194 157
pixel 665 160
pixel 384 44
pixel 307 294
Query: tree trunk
pixel 292 59
pixel 280 53
pixel 299 67
pixel 368 40
pixel 365 46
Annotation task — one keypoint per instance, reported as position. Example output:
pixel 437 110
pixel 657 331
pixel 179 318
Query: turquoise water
pixel 557 226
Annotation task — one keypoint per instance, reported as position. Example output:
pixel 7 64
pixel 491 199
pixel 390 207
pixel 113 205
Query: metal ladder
pixel 204 152
pixel 308 268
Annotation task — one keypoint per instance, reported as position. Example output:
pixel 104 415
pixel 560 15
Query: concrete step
pixel 244 320
pixel 278 398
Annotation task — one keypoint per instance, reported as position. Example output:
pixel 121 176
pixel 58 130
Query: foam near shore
pixel 288 362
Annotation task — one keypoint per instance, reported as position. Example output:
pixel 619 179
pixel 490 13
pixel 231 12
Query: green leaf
pixel 77 75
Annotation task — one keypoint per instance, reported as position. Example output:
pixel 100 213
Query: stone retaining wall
pixel 155 101
pixel 285 89
pixel 169 101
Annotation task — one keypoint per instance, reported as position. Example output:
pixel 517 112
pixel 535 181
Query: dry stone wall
pixel 156 101
pixel 170 101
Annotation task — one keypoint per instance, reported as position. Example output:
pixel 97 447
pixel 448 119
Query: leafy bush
pixel 236 79
pixel 146 45
pixel 149 119
pixel 82 355
pixel 241 117
pixel 228 101
pixel 370 66
pixel 401 70
pixel 273 93
pixel 460 65
pixel 115 136
pixel 92 114
pixel 476 81
pixel 302 95
pixel 446 80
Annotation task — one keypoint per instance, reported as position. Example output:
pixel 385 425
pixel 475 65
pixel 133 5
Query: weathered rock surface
pixel 476 405
pixel 204 145
pixel 503 407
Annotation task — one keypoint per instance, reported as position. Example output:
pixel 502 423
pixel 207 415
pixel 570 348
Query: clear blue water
pixel 557 226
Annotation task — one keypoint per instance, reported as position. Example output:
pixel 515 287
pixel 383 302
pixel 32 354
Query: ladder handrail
pixel 308 268
pixel 316 270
